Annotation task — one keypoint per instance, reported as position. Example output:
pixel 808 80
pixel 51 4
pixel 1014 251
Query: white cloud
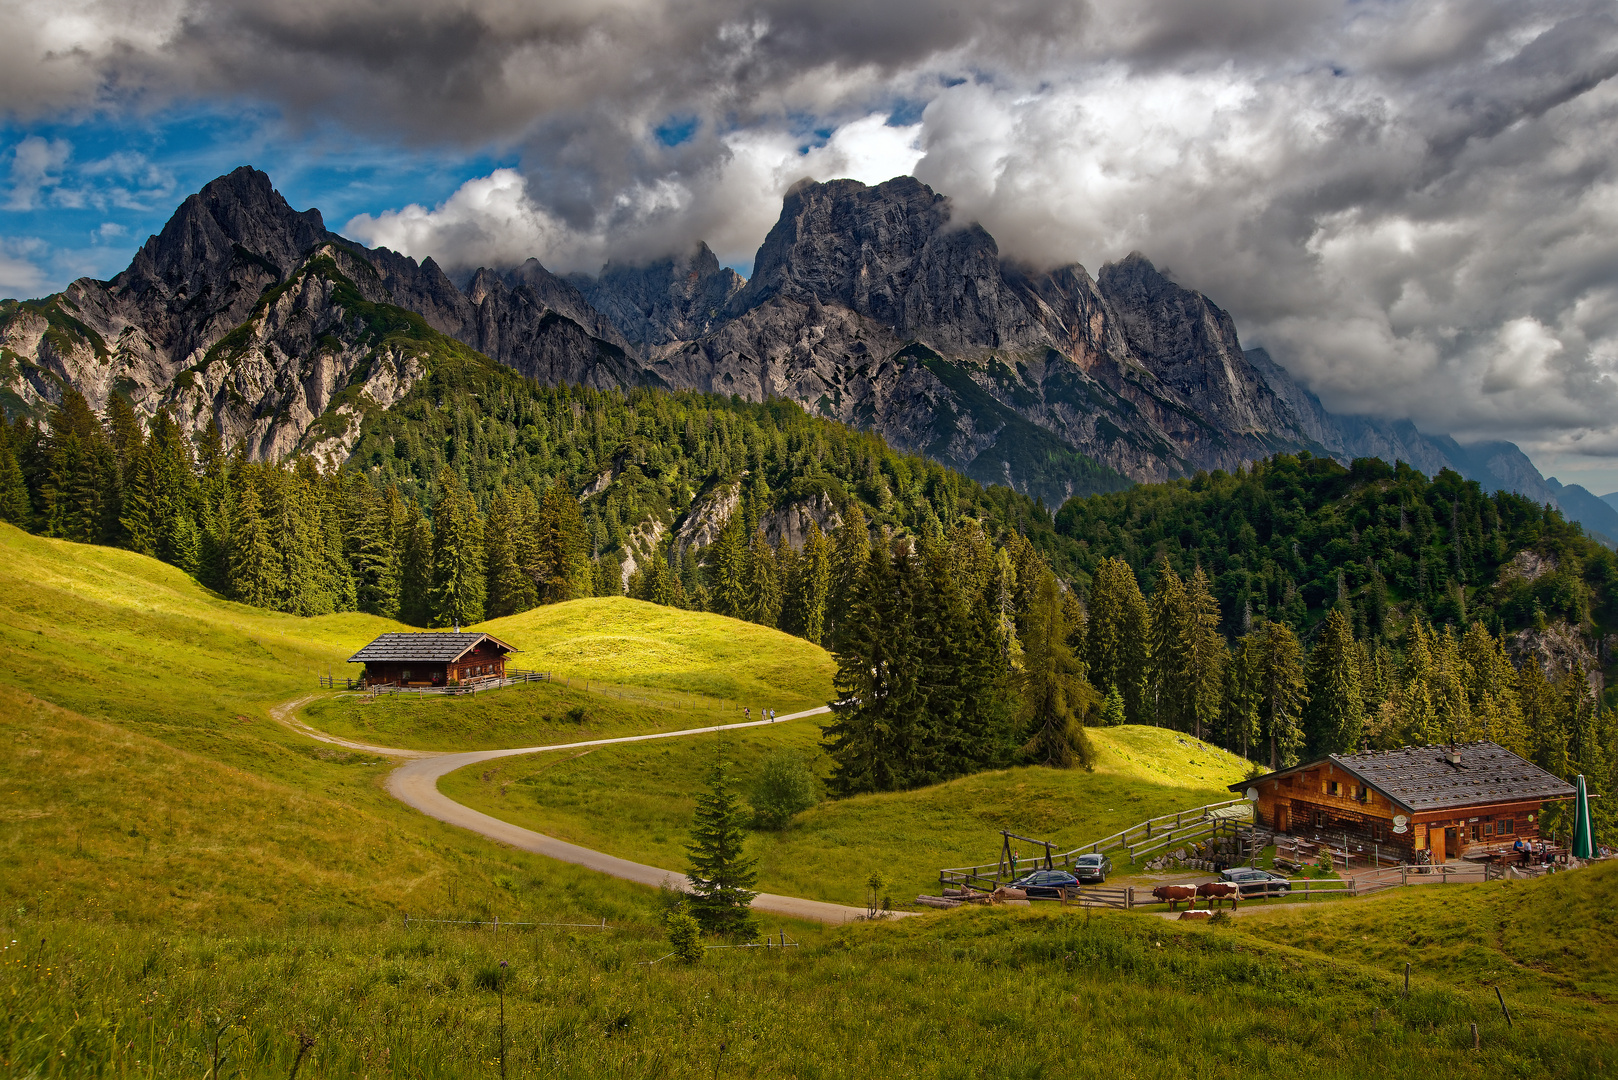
pixel 36 167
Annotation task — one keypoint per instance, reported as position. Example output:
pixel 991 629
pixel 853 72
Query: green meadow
pixel 180 875
pixel 636 800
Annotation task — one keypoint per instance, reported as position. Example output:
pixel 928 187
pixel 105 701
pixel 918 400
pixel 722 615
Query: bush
pixel 785 788
pixel 685 934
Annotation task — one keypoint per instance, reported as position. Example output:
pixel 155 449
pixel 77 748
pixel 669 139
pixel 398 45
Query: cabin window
pixel 1320 819
pixel 1475 834
pixel 1332 788
pixel 1379 832
pixel 1488 829
pixel 404 675
pixel 1362 793
pixel 1505 827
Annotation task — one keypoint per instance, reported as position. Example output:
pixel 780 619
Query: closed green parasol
pixel 1583 845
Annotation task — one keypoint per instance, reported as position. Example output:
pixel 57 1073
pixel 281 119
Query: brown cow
pixel 1195 913
pixel 1218 890
pixel 1173 894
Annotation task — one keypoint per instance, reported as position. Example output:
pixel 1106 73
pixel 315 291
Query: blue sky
pixel 80 196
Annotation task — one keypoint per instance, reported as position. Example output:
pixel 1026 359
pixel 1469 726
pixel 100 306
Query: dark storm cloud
pixel 1412 204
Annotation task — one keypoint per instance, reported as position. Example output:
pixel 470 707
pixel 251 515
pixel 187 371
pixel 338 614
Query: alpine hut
pixel 432 658
pixel 1450 801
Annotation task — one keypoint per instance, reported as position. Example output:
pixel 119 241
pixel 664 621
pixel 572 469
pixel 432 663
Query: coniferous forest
pixel 1292 609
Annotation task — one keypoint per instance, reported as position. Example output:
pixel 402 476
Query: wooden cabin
pixel 432 658
pixel 1452 801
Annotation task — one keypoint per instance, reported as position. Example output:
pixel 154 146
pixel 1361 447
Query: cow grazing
pixel 1173 894
pixel 1195 913
pixel 1218 890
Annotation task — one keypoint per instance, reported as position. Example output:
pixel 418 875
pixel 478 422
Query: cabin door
pixel 1439 840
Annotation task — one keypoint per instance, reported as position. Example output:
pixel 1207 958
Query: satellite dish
pixel 1399 828
pixel 1252 794
pixel 1400 821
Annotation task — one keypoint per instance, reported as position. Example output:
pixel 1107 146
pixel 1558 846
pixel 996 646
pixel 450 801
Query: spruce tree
pixel 727 563
pixel 1335 715
pixel 458 583
pixel 762 586
pixel 1118 636
pixel 14 503
pixel 850 552
pixel 254 575
pixel 1168 688
pixel 1282 691
pixel 720 873
pixel 811 586
pixel 510 589
pixel 1203 647
pixel 1054 697
pixel 415 535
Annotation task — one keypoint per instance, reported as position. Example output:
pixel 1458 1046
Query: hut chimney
pixel 1454 756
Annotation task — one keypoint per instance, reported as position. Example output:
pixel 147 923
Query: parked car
pixel 1046 884
pixel 1253 882
pixel 1092 869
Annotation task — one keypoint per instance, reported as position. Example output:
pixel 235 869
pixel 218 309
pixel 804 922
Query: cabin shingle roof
pixel 424 648
pixel 1422 777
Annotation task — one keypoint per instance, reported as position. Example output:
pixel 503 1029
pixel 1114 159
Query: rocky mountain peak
pixel 676 298
pixel 892 254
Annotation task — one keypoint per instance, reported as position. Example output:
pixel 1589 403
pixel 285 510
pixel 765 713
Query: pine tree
pixel 1054 697
pixel 811 586
pixel 563 548
pixel 762 583
pixel 720 873
pixel 1335 715
pixel 1118 636
pixel 1203 647
pixel 14 502
pixel 1542 716
pixel 1168 689
pixel 878 691
pixel 457 592
pixel 727 563
pixel 1112 709
pixel 415 566
pixel 1282 693
pixel 850 552
pixel 81 477
pixel 510 589
pixel 255 573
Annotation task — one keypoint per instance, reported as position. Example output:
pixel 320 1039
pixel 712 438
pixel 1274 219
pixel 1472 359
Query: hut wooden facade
pixel 432 659
pixel 1447 800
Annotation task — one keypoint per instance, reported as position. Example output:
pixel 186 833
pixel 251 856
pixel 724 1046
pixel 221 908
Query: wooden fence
pixel 469 686
pixel 1152 835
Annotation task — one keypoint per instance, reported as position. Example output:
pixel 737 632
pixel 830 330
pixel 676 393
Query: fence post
pixel 1129 898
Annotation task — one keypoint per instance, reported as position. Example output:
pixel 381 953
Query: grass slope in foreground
pixel 636 801
pixel 997 992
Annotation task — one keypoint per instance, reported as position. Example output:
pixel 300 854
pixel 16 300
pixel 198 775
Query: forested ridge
pixel 1291 609
pixel 1292 537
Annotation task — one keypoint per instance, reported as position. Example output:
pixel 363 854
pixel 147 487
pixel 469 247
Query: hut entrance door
pixel 1438 841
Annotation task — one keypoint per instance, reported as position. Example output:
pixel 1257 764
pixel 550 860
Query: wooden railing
pixel 1152 835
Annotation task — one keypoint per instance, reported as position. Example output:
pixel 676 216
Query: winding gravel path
pixel 415 783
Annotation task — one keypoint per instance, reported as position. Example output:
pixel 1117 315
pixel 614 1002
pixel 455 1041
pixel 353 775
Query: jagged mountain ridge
pixel 868 304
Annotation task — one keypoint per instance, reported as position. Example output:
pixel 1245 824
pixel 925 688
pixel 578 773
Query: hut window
pixel 1506 827
pixel 405 674
pixel 1332 788
pixel 1362 793
pixel 1379 832
pixel 1488 829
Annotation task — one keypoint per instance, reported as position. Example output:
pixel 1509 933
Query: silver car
pixel 1092 869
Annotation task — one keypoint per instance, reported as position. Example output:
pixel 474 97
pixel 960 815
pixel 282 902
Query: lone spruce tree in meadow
pixel 721 874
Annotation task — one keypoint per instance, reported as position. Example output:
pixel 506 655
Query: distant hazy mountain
pixel 871 305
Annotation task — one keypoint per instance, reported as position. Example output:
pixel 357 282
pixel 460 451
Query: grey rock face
pixel 153 333
pixel 667 301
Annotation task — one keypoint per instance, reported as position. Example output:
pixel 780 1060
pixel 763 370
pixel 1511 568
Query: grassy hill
pixel 636 801
pixel 175 867
pixel 144 779
pixel 1004 992
pixel 620 667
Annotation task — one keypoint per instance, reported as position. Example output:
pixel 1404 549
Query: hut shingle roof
pixel 1423 777
pixel 424 648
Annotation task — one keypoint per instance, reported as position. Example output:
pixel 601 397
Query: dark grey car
pixel 1092 869
pixel 1253 882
